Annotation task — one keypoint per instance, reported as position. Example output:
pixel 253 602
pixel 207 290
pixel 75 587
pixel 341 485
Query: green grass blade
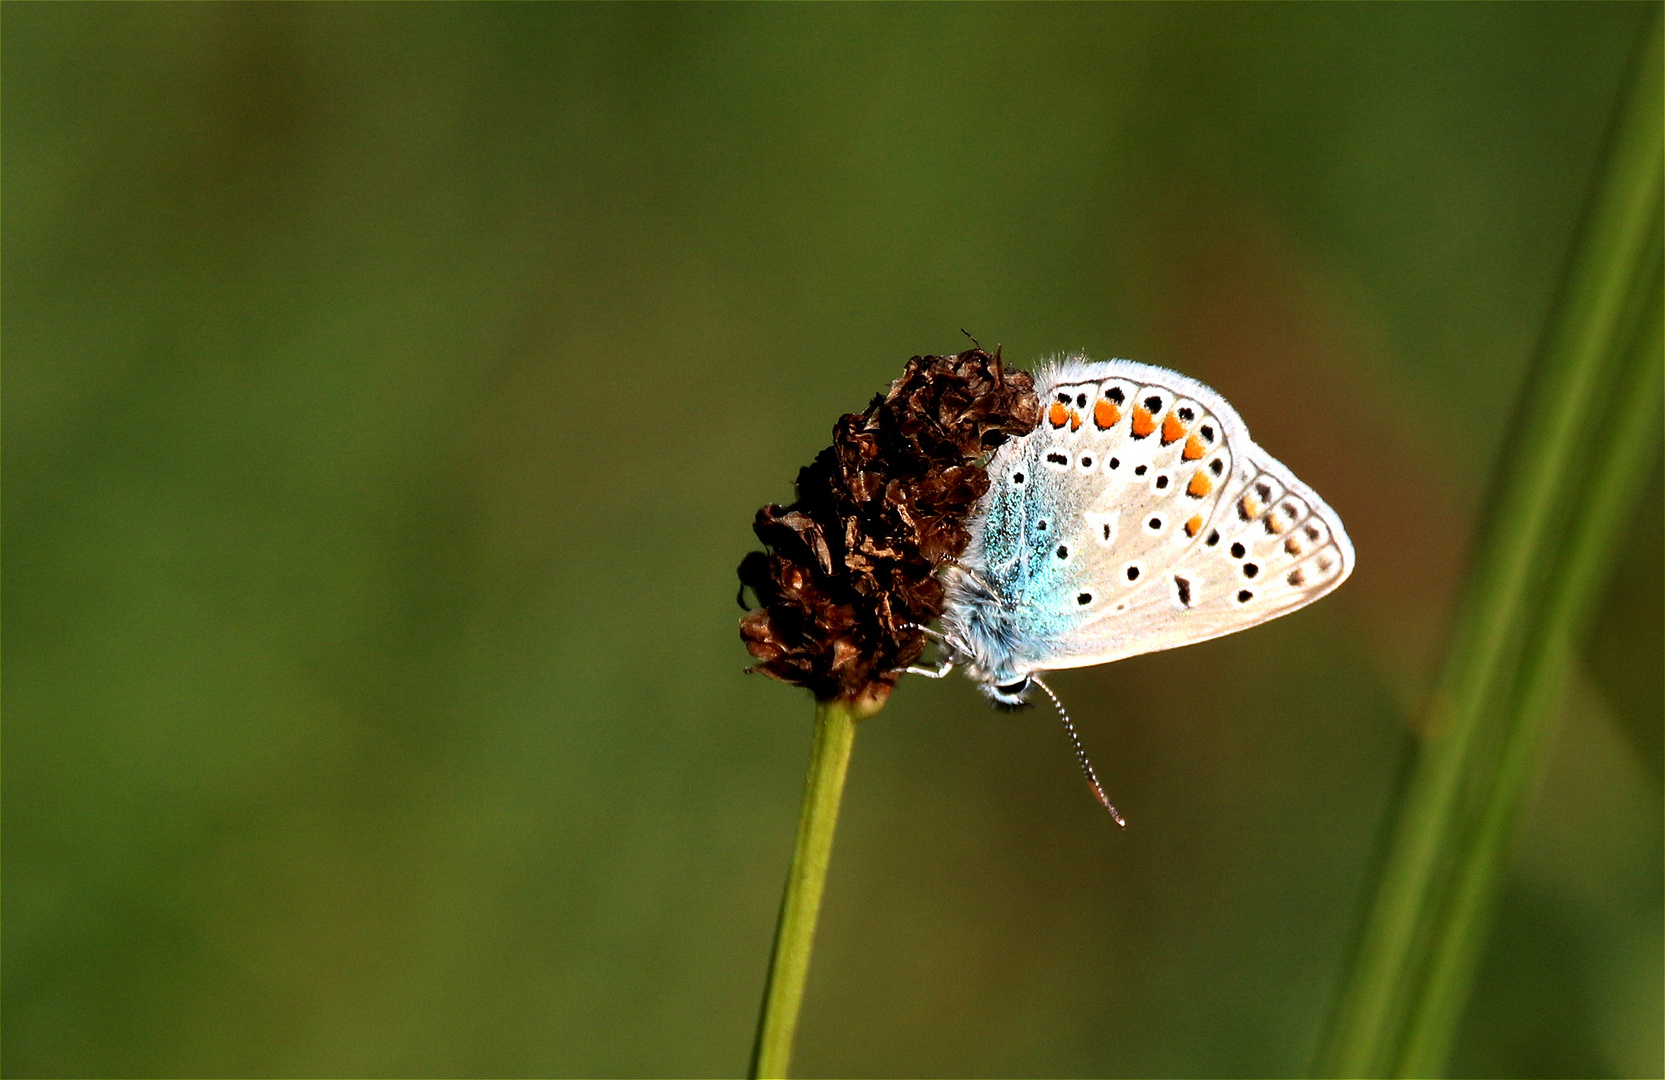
pixel 1633 431
pixel 1579 445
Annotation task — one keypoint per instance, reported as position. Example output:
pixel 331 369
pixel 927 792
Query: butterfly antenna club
pixel 1081 754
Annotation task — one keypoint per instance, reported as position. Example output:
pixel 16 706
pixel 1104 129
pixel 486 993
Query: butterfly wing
pixel 1140 516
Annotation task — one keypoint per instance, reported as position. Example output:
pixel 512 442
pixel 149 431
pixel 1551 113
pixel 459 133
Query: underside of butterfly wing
pixel 1138 516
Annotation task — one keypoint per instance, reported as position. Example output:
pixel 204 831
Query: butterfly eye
pixel 1013 689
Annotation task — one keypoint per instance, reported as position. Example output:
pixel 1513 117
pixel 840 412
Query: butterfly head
pixel 1010 692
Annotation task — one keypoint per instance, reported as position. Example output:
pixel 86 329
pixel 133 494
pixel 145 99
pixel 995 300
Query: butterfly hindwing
pixel 1140 516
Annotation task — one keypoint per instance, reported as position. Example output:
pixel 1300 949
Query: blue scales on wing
pixel 1138 516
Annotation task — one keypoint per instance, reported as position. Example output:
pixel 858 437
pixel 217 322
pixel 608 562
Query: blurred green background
pixel 387 394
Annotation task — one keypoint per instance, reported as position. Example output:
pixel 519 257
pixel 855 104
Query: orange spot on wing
pixel 1248 509
pixel 1143 422
pixel 1193 449
pixel 1057 416
pixel 1172 429
pixel 1194 526
pixel 1105 413
pixel 1200 485
pixel 1075 420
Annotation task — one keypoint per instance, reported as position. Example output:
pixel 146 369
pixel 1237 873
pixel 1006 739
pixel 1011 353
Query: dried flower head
pixel 850 573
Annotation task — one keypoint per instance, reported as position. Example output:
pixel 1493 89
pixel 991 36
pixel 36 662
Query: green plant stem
pixel 829 760
pixel 1577 451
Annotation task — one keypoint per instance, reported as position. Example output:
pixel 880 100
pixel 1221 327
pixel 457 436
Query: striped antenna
pixel 1081 753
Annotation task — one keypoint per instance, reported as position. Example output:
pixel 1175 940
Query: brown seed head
pixel 852 563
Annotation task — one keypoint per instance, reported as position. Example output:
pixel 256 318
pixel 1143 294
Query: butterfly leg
pixel 942 668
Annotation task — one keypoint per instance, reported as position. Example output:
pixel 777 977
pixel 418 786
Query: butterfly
pixel 1139 515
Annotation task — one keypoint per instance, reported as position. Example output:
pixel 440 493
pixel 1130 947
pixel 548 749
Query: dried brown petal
pixel 852 561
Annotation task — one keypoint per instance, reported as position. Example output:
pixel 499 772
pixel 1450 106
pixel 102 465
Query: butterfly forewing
pixel 1140 516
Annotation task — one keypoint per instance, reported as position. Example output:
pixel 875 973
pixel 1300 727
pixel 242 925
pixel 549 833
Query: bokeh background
pixel 387 394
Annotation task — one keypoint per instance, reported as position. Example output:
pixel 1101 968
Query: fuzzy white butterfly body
pixel 1138 516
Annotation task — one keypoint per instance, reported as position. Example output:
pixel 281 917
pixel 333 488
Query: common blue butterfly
pixel 1137 516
